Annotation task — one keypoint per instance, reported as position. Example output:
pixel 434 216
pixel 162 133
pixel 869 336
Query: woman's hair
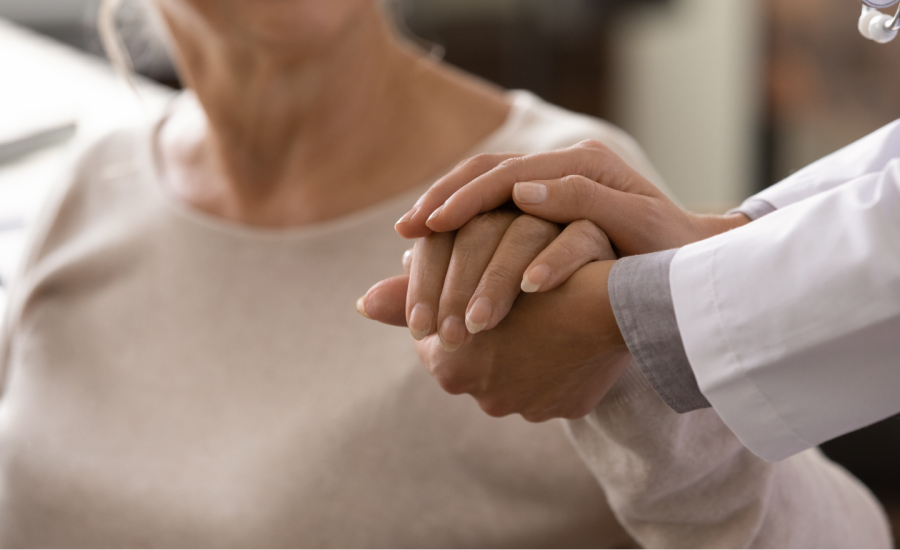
pixel 134 37
pixel 112 40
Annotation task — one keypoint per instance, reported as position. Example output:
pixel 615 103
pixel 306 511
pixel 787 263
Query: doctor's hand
pixel 464 282
pixel 555 355
pixel 584 182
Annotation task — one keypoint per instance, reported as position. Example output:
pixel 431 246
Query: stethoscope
pixel 877 26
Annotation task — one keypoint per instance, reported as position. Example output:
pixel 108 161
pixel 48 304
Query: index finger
pixel 412 224
pixel 590 159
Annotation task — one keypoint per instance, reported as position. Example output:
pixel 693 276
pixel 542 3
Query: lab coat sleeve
pixel 685 481
pixel 791 323
pixel 753 208
pixel 866 156
pixel 641 299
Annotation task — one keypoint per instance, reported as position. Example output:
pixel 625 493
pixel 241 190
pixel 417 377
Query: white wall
pixel 689 87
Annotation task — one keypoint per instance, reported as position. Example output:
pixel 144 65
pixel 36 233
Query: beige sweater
pixel 686 481
pixel 175 380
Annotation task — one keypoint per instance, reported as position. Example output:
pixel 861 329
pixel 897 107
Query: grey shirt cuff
pixel 642 303
pixel 754 209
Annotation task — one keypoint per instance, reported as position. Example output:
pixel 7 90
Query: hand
pixel 587 181
pixel 464 282
pixel 554 356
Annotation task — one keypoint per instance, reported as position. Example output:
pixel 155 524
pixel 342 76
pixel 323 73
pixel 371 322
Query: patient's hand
pixel 586 181
pixel 555 355
pixel 466 281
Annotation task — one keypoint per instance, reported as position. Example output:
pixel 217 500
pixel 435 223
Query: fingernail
pixel 452 333
pixel 530 193
pixel 421 321
pixel 479 315
pixel 407 261
pixel 435 214
pixel 535 278
pixel 361 307
pixel 408 216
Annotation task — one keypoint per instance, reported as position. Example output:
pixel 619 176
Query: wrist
pixel 585 309
pixel 613 337
pixel 710 226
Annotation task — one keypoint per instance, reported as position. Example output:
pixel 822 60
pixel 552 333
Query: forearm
pixel 796 319
pixel 686 481
pixel 641 299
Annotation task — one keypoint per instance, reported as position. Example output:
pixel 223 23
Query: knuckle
pixel 591 238
pixel 527 228
pixel 482 225
pixel 587 229
pixel 591 144
pixel 497 274
pixel 478 165
pixel 479 162
pixel 570 250
pixel 510 162
pixel 588 144
pixel 570 180
pixel 584 190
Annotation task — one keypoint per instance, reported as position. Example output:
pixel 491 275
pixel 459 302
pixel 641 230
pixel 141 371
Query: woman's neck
pixel 299 137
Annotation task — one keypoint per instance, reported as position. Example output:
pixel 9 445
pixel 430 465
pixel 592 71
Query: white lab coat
pixel 792 323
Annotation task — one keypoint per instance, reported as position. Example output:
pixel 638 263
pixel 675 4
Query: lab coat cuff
pixel 641 299
pixel 754 208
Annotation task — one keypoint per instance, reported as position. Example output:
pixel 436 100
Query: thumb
pixel 386 301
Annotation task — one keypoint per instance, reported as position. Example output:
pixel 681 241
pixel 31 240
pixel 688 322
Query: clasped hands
pixel 506 288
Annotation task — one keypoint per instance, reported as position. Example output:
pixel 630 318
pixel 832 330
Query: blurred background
pixel 726 97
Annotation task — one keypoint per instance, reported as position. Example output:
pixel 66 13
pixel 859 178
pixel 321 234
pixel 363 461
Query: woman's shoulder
pixel 105 176
pixel 103 189
pixel 86 205
pixel 535 125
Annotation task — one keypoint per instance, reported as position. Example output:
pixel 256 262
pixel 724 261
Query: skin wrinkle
pixel 330 120
pixel 257 154
pixel 570 251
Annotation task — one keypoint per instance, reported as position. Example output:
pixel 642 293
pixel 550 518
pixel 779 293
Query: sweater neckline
pixel 521 101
